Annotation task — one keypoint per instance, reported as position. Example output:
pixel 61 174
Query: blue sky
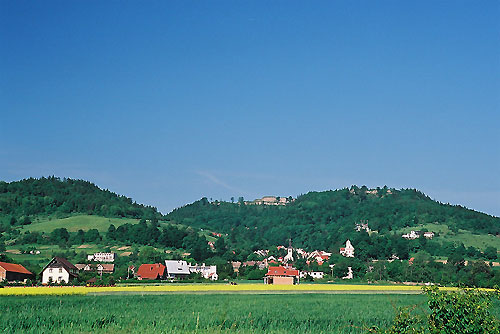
pixel 170 101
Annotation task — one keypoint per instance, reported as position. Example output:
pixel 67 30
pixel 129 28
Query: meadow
pixel 74 223
pixel 201 313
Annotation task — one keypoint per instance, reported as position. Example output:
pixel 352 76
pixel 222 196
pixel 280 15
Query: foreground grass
pixel 260 288
pixel 190 313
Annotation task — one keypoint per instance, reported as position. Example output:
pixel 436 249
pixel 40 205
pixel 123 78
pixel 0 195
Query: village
pixel 275 269
pixel 279 270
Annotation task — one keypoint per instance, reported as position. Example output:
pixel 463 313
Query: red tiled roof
pixel 151 271
pixel 17 268
pixel 281 271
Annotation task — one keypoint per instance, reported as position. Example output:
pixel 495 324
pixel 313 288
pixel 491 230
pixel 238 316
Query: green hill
pixel 21 202
pixel 325 220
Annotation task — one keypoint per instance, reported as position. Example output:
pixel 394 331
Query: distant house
pixel 313 274
pixel 102 257
pixel 318 256
pixel 412 235
pixel 100 268
pixel 429 235
pixel 177 269
pixel 11 272
pixel 153 271
pixel 208 272
pixel 348 250
pixel 282 275
pixel 59 270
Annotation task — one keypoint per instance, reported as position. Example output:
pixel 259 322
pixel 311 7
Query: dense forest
pixel 20 201
pixel 324 220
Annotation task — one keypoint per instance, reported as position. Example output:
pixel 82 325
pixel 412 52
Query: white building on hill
pixel 348 250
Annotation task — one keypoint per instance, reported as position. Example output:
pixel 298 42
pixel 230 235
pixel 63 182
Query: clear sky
pixel 170 101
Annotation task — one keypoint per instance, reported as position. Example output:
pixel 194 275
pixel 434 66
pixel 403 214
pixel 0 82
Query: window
pixel 60 270
pixel 59 279
pixel 50 270
pixel 50 278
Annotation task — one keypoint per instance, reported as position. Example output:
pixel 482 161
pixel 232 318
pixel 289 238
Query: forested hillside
pixel 324 220
pixel 23 200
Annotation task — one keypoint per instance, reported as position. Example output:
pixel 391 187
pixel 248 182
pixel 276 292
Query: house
pixel 318 256
pixel 282 275
pixel 362 227
pixel 313 274
pixel 11 272
pixel 153 271
pixel 412 235
pixel 177 269
pixel 348 250
pixel 208 272
pixel 100 268
pixel 59 270
pixel 429 235
pixel 102 257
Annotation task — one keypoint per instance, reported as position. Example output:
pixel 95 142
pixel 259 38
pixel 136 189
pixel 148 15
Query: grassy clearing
pixel 468 238
pixel 184 313
pixel 74 223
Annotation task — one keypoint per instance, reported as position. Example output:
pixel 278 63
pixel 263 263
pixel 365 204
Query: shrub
pixel 465 311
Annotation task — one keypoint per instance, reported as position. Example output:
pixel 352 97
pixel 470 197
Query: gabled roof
pixel 177 267
pixel 282 271
pixel 61 262
pixel 17 268
pixel 151 271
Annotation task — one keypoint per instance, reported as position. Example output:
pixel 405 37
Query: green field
pixel 74 223
pixel 202 313
pixel 468 238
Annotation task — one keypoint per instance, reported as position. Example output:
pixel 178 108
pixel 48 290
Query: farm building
pixel 177 269
pixel 281 275
pixel 59 270
pixel 11 272
pixel 151 271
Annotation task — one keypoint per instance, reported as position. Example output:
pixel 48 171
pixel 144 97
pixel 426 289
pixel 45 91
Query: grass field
pixel 480 241
pixel 189 313
pixel 74 223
